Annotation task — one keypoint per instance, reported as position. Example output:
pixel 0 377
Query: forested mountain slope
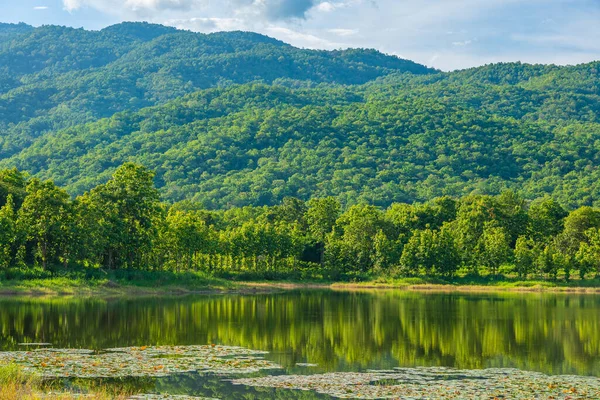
pixel 53 77
pixel 354 124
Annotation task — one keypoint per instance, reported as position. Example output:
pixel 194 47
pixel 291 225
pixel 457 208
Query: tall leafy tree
pixel 494 247
pixel 186 235
pixel 546 218
pixel 474 213
pixel 45 218
pixel 430 253
pixel 12 183
pixel 8 233
pixel 575 226
pixel 321 216
pixel 588 254
pixel 126 209
pixel 526 252
pixel 360 225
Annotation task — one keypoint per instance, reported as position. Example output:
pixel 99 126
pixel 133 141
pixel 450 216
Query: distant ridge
pixel 10 30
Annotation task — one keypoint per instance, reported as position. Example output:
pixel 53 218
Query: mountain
pixel 54 77
pixel 234 119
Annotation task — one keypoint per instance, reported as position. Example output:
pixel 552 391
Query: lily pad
pixel 166 397
pixel 437 383
pixel 145 361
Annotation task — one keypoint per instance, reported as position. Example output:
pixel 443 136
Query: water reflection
pixel 340 331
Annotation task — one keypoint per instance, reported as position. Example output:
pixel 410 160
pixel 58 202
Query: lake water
pixel 556 334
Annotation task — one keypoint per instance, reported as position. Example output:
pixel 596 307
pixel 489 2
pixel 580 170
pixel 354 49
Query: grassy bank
pixel 141 283
pixel 475 284
pixel 115 284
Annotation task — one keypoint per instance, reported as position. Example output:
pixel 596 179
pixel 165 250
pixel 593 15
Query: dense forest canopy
pixel 235 119
pixel 121 224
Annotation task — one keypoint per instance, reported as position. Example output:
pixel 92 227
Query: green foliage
pixel 235 119
pixel 121 225
pixel 54 77
pixel 288 162
pixel 546 218
pixel 526 253
pixel 126 210
pixel 430 253
pixel 45 220
pixel 588 254
pixel 7 232
pixel 494 247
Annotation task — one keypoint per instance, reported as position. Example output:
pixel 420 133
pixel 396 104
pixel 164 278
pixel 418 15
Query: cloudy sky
pixel 446 34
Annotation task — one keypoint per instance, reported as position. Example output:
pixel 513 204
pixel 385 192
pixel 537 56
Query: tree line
pixel 122 224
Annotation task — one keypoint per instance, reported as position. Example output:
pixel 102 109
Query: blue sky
pixel 446 34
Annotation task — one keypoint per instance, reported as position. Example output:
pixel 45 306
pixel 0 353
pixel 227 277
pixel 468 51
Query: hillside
pixel 53 77
pixel 235 119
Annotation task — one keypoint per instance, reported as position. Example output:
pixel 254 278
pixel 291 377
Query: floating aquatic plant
pixel 399 383
pixel 65 395
pixel 167 397
pixel 437 383
pixel 138 361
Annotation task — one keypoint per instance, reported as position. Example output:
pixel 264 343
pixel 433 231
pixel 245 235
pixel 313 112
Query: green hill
pixel 53 77
pixel 233 119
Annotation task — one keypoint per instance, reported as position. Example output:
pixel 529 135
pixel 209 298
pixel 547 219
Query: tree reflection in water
pixel 339 331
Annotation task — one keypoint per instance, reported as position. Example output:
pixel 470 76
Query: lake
pixel 556 334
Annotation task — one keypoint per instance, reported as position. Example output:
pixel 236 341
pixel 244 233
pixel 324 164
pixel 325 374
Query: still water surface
pixel 340 331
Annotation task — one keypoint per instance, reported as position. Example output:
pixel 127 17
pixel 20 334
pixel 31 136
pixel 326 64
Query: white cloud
pixel 206 25
pixel 330 6
pixel 39 8
pixel 343 32
pixel 301 39
pixel 326 7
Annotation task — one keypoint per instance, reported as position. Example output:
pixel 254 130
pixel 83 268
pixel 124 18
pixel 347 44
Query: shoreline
pixel 77 288
pixel 449 288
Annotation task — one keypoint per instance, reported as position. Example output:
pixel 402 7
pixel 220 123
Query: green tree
pixel 186 236
pixel 548 261
pixel 512 215
pixel 525 256
pixel 8 232
pixel 447 256
pixel 360 225
pixel 494 247
pixel 321 216
pixel 387 253
pixel 588 255
pixel 474 213
pixel 126 209
pixel 546 218
pixel 430 253
pixel 292 211
pixel 569 242
pixel 12 183
pixel 45 216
